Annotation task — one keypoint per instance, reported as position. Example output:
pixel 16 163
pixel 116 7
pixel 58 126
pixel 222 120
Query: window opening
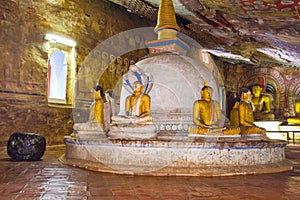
pixel 61 69
pixel 58 68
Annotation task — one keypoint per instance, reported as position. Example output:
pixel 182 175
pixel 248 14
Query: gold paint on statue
pixel 207 115
pixel 296 119
pixel 137 107
pixel 97 108
pixel 242 114
pixel 138 104
pixel 262 104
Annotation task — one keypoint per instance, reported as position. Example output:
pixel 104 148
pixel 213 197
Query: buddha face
pixel 138 87
pixel 256 90
pixel 246 96
pixel 206 93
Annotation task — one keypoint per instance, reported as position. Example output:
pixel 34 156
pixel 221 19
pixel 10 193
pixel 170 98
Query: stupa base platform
pixel 136 131
pixel 196 156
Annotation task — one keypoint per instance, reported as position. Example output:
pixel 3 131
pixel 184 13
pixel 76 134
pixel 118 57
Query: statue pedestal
pixel 197 156
pixel 132 131
pixel 89 130
pixel 254 136
pixel 215 136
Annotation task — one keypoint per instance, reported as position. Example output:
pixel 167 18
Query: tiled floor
pixel 49 179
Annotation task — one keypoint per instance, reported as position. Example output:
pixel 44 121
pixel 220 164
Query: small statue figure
pixel 137 105
pixel 95 127
pixel 296 119
pixel 262 104
pixel 110 99
pixel 207 115
pixel 242 114
pixel 135 121
pixel 110 108
pixel 97 107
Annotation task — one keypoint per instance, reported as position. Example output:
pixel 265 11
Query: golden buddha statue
pixel 262 104
pixel 95 127
pixel 137 106
pixel 134 120
pixel 296 119
pixel 97 107
pixel 242 114
pixel 207 115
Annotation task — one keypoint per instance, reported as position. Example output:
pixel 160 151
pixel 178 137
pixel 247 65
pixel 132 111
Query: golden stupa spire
pixel 166 30
pixel 166 21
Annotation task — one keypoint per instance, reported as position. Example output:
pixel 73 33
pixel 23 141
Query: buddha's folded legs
pixel 252 130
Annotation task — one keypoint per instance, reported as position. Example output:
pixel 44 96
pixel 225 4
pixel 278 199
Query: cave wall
pixel 24 58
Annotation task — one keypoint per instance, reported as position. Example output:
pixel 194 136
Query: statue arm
pixel 267 102
pixel 146 108
pixel 242 114
pixel 196 114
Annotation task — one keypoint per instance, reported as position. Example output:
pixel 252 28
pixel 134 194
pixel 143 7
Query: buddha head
pixel 256 90
pixel 138 87
pixel 245 95
pixel 99 89
pixel 206 92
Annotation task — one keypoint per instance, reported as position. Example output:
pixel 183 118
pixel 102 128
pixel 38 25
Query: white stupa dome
pixel 177 81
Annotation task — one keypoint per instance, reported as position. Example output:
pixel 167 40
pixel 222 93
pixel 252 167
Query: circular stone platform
pixel 193 156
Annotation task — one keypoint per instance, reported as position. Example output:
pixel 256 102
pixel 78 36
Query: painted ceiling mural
pixel 259 30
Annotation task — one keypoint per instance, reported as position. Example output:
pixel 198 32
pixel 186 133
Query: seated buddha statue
pixel 207 116
pixel 135 101
pixel 295 119
pixel 242 114
pixel 135 121
pixel 137 106
pixel 262 104
pixel 97 107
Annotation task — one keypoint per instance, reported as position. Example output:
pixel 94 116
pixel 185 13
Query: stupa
pixel 168 149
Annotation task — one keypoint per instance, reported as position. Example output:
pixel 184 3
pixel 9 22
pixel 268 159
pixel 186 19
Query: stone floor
pixel 50 179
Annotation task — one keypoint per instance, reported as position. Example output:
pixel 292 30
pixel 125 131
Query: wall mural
pixel 105 70
pixel 112 76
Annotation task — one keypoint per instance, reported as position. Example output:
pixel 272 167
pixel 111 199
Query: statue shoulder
pixel 243 103
pixel 146 96
pixel 236 105
pixel 265 97
pixel 216 103
pixel 199 102
pixel 128 97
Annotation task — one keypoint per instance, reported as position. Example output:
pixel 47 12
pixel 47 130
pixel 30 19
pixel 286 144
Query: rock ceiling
pixel 261 31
